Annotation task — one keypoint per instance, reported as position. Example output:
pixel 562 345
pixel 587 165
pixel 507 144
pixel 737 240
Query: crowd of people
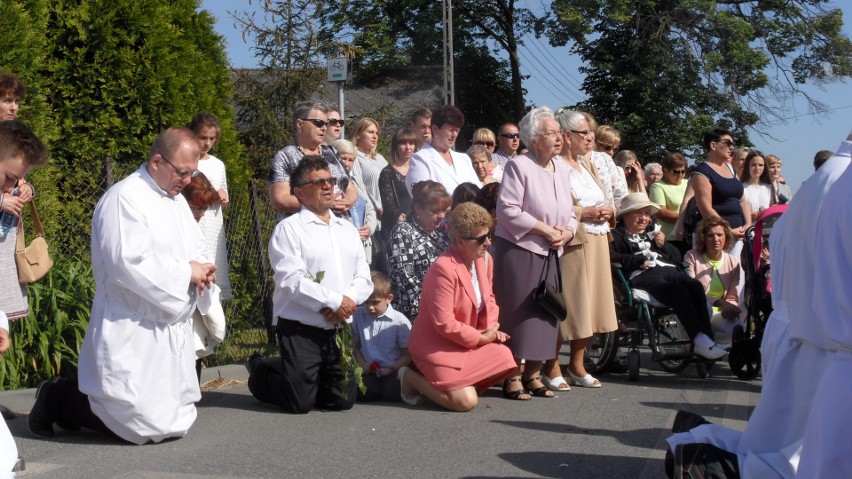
pixel 432 256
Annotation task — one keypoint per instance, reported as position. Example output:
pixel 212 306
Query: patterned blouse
pixel 411 251
pixel 395 197
pixel 612 179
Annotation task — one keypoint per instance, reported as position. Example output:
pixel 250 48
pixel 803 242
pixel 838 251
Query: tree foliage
pixel 106 77
pixel 390 34
pixel 288 50
pixel 663 71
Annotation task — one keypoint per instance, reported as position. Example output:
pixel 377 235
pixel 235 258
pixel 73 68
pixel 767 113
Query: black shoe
pixel 704 461
pixel 685 421
pixel 253 361
pixel 65 383
pixel 40 421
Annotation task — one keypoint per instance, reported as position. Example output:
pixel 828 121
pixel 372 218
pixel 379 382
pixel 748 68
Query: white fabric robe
pixel 137 364
pixel 771 444
pixel 8 449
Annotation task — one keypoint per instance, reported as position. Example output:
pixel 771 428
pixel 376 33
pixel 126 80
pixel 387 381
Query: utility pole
pixel 449 75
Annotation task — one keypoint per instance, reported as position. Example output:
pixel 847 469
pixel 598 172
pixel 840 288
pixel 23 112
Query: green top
pixel 717 289
pixel 671 197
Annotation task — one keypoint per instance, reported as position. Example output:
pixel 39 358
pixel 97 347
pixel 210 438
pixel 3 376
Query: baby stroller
pixel 744 357
pixel 640 317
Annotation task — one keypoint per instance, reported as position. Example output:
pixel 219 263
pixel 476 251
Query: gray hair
pixel 344 146
pixel 622 157
pixel 529 127
pixel 650 166
pixel 477 150
pixel 303 108
pixel 569 119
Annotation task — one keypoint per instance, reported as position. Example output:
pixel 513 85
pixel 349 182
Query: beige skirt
pixel 587 288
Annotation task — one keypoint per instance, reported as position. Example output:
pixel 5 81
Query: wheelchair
pixel 642 319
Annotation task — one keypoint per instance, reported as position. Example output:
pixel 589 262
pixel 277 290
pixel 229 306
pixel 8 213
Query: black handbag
pixel 547 295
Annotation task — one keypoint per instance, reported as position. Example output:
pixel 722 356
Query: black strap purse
pixel 547 295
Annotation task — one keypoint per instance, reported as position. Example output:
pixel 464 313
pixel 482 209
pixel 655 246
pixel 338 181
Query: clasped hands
pixel 344 311
pixel 597 214
pixel 492 335
pixel 203 274
pixel 557 236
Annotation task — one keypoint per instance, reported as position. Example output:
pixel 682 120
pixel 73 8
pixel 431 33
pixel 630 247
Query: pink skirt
pixel 484 367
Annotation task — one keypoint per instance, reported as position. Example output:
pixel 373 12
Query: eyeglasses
pixel 317 122
pixel 551 133
pixel 333 122
pixel 728 143
pixel 181 173
pixel 679 172
pixel 481 239
pixel 586 133
pixel 489 144
pixel 511 136
pixel 321 182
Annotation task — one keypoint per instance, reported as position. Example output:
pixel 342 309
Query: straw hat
pixel 636 201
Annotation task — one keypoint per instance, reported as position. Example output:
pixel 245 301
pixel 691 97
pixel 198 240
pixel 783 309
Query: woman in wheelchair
pixel 651 265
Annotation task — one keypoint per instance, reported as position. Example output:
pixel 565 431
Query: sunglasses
pixel 317 122
pixel 180 172
pixel 321 182
pixel 489 144
pixel 481 239
pixel 679 172
pixel 727 143
pixel 511 136
pixel 334 122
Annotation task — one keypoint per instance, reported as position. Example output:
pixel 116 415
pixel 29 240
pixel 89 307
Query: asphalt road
pixel 617 431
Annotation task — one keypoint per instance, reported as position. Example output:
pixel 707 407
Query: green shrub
pixel 46 343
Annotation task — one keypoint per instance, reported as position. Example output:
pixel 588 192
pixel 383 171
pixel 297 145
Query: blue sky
pixel 554 81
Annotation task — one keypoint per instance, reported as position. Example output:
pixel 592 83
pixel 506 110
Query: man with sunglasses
pixel 137 379
pixel 321 275
pixel 508 141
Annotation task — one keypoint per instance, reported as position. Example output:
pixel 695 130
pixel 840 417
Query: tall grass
pixel 46 343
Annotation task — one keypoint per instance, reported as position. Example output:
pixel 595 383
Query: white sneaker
pixel 712 352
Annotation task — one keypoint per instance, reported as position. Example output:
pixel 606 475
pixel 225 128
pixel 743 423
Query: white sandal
pixel 587 381
pixel 414 400
pixel 558 383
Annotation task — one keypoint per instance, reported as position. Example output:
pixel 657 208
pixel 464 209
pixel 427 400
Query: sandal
pixel 413 400
pixel 556 384
pixel 516 394
pixel 541 392
pixel 587 381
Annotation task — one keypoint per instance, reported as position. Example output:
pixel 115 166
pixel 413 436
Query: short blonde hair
pixel 467 218
pixel 607 137
pixel 381 284
pixel 593 124
pixel 772 160
pixel 711 222
pixel 484 134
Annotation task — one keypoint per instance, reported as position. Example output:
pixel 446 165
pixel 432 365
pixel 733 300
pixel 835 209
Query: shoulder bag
pixel 547 295
pixel 34 260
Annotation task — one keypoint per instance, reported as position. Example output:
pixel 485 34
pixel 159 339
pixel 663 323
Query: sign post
pixel 338 71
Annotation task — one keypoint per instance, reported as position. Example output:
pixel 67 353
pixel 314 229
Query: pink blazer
pixel 449 325
pixel 698 267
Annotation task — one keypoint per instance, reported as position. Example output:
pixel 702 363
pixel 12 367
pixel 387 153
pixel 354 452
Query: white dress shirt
pixel 315 264
pixel 428 164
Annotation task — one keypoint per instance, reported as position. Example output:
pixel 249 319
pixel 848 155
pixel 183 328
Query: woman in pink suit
pixel 456 343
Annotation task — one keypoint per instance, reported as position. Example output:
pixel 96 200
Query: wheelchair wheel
pixel 600 351
pixel 704 368
pixel 673 340
pixel 673 365
pixel 633 364
pixel 744 359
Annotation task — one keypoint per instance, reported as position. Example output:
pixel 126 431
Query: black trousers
pixel 308 373
pixel 683 294
pixel 385 388
pixel 71 409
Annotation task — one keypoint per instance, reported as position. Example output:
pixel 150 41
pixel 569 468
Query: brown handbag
pixel 34 260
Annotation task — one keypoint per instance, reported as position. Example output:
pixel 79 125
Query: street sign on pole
pixel 338 69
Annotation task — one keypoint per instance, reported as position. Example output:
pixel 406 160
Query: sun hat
pixel 636 201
